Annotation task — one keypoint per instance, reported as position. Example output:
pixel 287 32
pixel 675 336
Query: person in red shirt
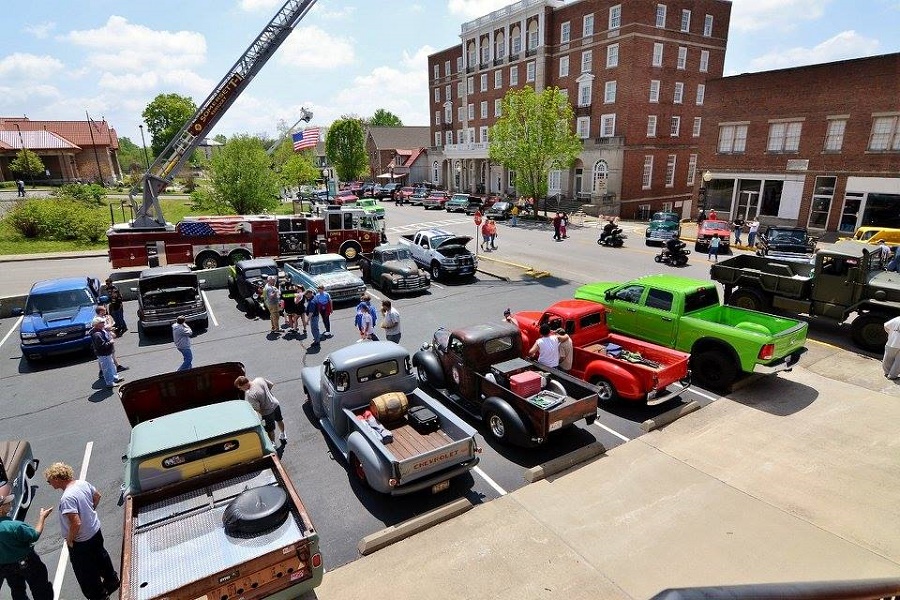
pixel 712 216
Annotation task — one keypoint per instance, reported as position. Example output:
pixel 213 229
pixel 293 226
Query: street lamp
pixel 705 179
pixel 144 146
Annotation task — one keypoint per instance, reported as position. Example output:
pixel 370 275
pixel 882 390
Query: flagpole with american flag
pixel 308 138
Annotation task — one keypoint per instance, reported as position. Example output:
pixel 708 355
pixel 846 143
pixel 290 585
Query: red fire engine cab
pixel 210 242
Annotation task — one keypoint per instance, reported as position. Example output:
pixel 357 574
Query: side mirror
pixel 17 312
pixel 608 295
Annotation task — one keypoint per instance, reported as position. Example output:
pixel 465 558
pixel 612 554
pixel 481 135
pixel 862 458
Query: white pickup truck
pixel 442 253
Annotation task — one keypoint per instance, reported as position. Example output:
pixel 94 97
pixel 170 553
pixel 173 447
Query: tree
pixel 385 118
pixel 346 149
pixel 165 116
pixel 241 180
pixel 27 164
pixel 131 156
pixel 533 136
pixel 293 168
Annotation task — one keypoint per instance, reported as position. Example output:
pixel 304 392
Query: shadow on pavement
pixel 776 396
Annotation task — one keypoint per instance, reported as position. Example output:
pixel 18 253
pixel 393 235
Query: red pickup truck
pixel 643 371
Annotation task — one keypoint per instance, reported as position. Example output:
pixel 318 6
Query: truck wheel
pixel 617 242
pixel 748 299
pixel 316 411
pixel 657 258
pixel 435 271
pixel 606 391
pixel 208 260
pixel 712 370
pixel 359 473
pixel 868 331
pixel 698 247
pixel 351 251
pixel 237 256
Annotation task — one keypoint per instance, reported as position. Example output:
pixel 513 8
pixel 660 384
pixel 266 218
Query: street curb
pixel 563 463
pixel 52 256
pixel 494 275
pixel 670 416
pixel 410 527
pixel 530 271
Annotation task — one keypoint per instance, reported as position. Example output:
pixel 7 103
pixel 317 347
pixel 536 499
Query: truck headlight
pixel 447 261
pixel 28 336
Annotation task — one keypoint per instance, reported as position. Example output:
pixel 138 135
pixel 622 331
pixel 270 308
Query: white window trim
pixel 514 76
pixel 704 61
pixel 707 26
pixel 604 121
pixel 530 71
pixel 484 82
pixel 647 173
pixel 498 107
pixel 663 13
pixel 891 135
pixel 651 125
pixel 583 127
pixel 483 109
pixel 585 30
pixel 565 32
pixel 654 95
pixel 698 123
pixel 675 126
pixel 437 94
pixel 657 54
pixel 692 169
pixel 839 138
pixel 498 79
pixel 678 93
pixel 612 56
pixel 437 138
pixel 701 93
pixel 682 58
pixel 615 16
pixel 587 59
pixel 671 164
pixel 609 86
pixel 563 62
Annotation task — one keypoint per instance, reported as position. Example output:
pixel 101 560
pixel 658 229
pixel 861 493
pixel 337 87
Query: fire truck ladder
pixel 163 170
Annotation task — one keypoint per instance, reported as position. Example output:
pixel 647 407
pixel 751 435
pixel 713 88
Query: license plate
pixel 440 487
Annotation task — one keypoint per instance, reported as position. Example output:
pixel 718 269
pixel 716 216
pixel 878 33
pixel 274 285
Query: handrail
pixel 859 589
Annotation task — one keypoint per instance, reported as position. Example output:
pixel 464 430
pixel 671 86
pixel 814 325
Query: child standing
pixel 714 247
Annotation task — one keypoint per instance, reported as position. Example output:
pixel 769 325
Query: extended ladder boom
pixel 163 170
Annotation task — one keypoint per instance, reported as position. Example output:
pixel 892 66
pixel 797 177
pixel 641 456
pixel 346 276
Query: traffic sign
pixel 478 217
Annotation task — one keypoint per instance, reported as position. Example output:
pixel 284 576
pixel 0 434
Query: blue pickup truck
pixel 57 316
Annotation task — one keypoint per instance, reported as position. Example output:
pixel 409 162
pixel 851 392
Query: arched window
pixel 436 173
pixel 601 174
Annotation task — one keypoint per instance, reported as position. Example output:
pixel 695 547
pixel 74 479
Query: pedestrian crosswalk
pixel 428 225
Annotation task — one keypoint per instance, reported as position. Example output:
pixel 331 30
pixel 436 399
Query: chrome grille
pixel 61 334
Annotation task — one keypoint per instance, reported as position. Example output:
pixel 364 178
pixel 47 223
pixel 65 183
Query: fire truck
pixel 215 241
pixel 210 242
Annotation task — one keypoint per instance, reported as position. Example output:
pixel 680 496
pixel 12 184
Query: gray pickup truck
pixel 393 455
pixel 440 252
pixel 390 268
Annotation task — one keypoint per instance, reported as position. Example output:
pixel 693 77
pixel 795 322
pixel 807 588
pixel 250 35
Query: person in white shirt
pixel 390 321
pixel 546 348
pixel 364 322
pixel 891 361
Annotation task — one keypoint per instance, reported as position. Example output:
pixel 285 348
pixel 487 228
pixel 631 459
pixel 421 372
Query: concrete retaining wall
pixel 213 279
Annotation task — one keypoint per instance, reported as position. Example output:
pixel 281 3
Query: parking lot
pixel 62 409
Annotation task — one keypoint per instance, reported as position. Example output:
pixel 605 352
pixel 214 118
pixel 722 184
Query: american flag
pixel 208 227
pixel 307 138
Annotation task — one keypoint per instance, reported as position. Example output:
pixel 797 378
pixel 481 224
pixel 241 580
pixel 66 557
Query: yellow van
pixel 874 235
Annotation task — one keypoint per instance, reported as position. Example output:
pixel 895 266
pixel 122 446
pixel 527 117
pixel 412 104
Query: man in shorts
pixel 258 392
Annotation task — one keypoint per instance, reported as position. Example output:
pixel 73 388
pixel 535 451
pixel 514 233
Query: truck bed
pixel 178 540
pixel 672 365
pixel 416 454
pixel 781 277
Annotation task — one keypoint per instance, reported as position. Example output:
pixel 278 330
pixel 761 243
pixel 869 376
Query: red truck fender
pixel 625 384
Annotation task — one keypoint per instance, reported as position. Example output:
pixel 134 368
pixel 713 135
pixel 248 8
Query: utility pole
pixel 96 156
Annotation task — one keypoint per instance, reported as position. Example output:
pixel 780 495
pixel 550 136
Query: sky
pixel 62 58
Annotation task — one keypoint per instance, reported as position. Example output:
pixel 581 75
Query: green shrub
pixel 82 192
pixel 58 219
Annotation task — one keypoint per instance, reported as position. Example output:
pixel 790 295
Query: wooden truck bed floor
pixel 409 443
pixel 194 543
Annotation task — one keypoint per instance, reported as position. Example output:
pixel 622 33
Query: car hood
pixel 36 322
pixel 664 225
pixel 168 282
pixel 402 267
pixel 336 279
pixel 457 240
pixel 595 292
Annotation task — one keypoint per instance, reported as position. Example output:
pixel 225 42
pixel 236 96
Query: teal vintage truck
pixel 686 314
pixel 209 510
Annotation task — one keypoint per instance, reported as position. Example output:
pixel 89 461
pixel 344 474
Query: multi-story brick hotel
pixel 635 72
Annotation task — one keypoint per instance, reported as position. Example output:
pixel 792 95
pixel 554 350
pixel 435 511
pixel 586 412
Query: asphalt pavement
pixel 789 478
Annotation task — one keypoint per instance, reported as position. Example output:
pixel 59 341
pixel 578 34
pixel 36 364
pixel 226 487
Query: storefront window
pixel 821 202
pixel 881 210
pixel 850 212
pixel 748 199
pixel 718 195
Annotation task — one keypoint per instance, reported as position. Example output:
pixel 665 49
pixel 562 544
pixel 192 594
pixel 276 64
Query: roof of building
pixel 391 138
pixel 34 140
pixel 77 132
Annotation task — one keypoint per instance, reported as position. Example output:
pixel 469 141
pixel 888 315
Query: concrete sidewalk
pixel 781 483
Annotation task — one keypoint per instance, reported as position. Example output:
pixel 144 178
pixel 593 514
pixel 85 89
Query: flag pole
pixel 96 157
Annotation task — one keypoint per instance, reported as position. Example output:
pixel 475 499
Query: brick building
pixel 635 72
pixel 817 146
pixel 70 150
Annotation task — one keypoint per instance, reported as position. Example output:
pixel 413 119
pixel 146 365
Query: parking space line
pixel 490 481
pixel 64 554
pixel 13 328
pixel 612 431
pixel 209 309
pixel 437 285
pixel 707 396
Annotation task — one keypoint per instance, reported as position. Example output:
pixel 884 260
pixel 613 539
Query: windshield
pixel 261 272
pixel 396 255
pixel 326 267
pixel 56 301
pixel 367 223
pixel 716 225
pixel 660 216
pixel 501 205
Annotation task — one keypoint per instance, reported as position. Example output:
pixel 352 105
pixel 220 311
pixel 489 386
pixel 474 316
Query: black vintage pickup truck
pixel 786 242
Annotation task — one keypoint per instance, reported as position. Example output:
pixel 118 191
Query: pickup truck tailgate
pixel 570 411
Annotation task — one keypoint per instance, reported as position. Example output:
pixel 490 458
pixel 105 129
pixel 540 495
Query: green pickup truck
pixel 686 314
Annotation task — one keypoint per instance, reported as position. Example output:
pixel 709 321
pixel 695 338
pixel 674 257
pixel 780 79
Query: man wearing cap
pixel 116 307
pixel 19 563
pixel 104 346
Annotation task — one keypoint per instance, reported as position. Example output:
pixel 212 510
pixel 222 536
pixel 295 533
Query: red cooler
pixel 525 384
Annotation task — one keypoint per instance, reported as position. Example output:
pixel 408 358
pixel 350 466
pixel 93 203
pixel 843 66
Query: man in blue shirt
pixel 19 563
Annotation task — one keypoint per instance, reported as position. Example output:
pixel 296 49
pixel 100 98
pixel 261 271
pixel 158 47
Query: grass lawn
pixel 175 208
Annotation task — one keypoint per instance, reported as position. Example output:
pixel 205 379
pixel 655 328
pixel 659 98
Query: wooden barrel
pixel 389 407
